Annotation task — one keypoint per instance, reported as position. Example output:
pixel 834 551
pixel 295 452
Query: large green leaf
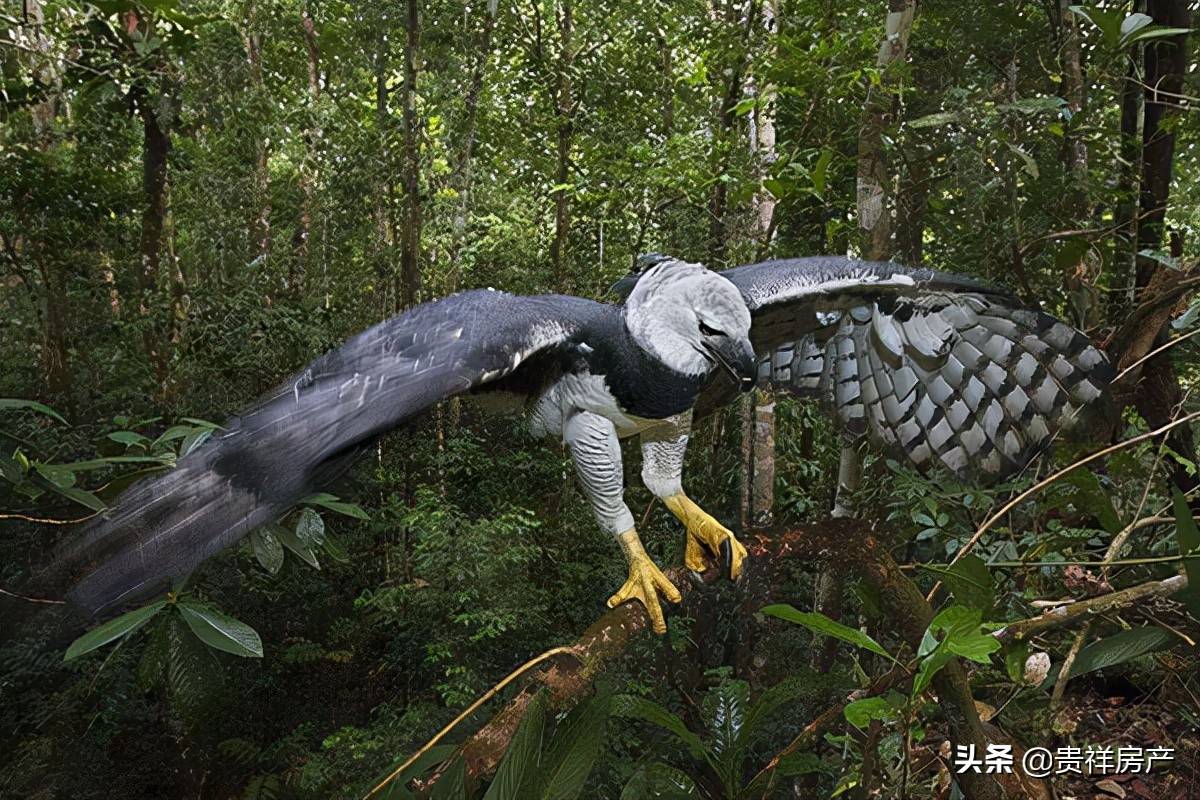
pixel 726 712
pixel 640 708
pixel 291 541
pixel 1119 648
pixel 860 712
pixel 220 631
pixel 519 767
pixel 113 629
pixel 333 504
pixel 310 528
pixel 822 624
pixel 1092 497
pixel 267 549
pixel 1189 544
pixel 658 781
pixel 396 788
pixel 30 405
pixel 960 627
pixel 970 581
pixel 572 753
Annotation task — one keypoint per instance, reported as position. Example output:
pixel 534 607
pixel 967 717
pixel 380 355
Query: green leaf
pixel 860 712
pixel 129 438
pixel 1155 32
pixel 333 504
pixel 31 405
pixel 970 581
pixel 1109 22
pixel 453 784
pixel 291 541
pixel 930 666
pixel 396 789
pixel 267 549
pixel 1119 648
pixel 577 743
pixel 933 120
pixel 86 499
pixel 960 626
pixel 635 707
pixel 1014 660
pixel 659 781
pixel 220 631
pixel 1092 497
pixel 1188 537
pixel 113 629
pixel 820 171
pixel 310 528
pixel 822 624
pixel 519 766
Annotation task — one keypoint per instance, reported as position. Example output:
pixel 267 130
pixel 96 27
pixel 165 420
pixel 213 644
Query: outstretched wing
pixel 305 434
pixel 938 369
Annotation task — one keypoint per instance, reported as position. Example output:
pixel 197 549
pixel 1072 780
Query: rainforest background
pixel 199 196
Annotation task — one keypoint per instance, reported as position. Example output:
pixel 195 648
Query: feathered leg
pixel 597 455
pixel 663 449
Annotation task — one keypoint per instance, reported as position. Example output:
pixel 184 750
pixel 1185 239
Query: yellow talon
pixel 645 583
pixel 705 535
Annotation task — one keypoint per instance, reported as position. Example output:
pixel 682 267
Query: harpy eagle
pixel 939 369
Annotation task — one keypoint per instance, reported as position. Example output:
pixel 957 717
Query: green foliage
pixel 822 624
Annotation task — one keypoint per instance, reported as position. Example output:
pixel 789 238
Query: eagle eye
pixel 707 331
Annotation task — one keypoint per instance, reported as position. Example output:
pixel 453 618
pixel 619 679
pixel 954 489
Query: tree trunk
pixel 874 216
pixel 564 130
pixel 725 119
pixel 1128 189
pixel 410 242
pixel 298 269
pixel 156 148
pixel 384 223
pixel 260 222
pixel 1166 62
pixel 462 180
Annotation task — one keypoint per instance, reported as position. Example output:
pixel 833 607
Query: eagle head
pixel 692 320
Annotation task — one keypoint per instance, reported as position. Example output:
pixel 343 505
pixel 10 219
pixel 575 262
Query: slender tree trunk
pixel 156 148
pixel 666 88
pixel 385 238
pixel 299 266
pixel 911 203
pixel 874 215
pixel 260 223
pixel 564 133
pixel 462 180
pixel 1079 277
pixel 1128 190
pixel 410 242
pixel 55 359
pixel 725 120
pixel 1167 62
pixel 875 223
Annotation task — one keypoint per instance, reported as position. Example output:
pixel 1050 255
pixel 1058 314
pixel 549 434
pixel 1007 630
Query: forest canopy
pixel 198 197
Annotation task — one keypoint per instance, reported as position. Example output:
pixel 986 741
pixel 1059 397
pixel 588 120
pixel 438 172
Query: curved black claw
pixel 727 558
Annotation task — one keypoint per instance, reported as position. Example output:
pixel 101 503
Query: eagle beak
pixel 737 358
pixel 747 364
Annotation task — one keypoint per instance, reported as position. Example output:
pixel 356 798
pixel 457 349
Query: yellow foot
pixel 706 536
pixel 645 583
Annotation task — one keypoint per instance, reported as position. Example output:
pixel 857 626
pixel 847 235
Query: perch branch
pixel 1072 613
pixel 844 543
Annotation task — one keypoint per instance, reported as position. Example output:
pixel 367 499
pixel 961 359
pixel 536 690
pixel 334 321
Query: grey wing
pixel 306 433
pixel 938 369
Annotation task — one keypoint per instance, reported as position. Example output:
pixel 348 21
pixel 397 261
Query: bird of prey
pixel 939 369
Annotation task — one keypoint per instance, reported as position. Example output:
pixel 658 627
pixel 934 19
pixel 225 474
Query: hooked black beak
pixel 736 357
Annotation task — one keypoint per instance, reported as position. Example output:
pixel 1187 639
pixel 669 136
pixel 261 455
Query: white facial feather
pixel 667 306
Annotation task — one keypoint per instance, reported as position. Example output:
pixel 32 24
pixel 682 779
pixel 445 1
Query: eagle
pixel 940 370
